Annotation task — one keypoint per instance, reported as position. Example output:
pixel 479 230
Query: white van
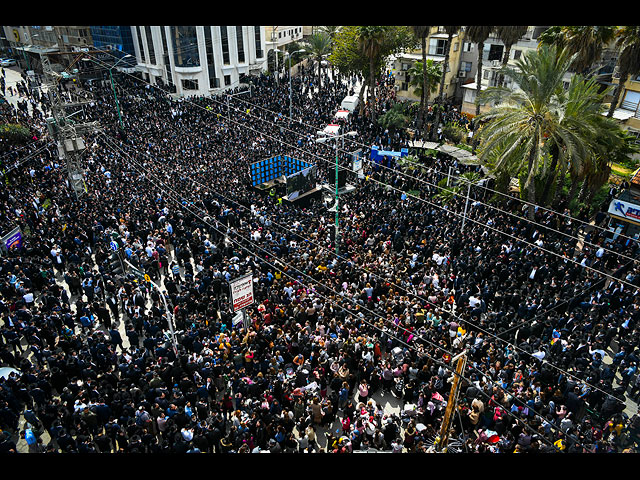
pixel 350 103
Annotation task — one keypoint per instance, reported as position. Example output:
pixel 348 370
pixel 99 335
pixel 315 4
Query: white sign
pixel 625 210
pixel 241 292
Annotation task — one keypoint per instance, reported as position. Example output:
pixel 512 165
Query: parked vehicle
pixel 7 62
pixel 350 103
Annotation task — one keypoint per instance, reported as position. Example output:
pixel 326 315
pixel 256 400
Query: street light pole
pixel 337 221
pixel 290 95
pixel 113 87
pixel 229 95
pixel 337 205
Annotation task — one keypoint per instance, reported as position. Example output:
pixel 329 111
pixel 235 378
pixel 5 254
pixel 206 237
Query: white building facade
pixel 491 64
pixel 199 60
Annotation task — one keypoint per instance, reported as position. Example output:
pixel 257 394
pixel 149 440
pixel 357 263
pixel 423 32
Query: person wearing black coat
pixel 116 339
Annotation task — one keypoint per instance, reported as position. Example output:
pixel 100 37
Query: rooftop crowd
pixel 410 289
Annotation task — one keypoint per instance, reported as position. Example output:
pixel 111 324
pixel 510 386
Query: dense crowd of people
pixel 330 338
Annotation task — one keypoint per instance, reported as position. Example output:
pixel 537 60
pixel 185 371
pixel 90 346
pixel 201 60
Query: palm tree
pixel 582 129
pixel 509 35
pixel 478 34
pixel 450 30
pixel 332 31
pixel 528 117
pixel 395 118
pixel 628 42
pixel 422 32
pixel 587 42
pixel 447 193
pixel 371 39
pixel 318 46
pixel 425 80
pixel 611 144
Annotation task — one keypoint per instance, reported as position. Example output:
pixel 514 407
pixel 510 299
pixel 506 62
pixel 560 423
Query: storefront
pixel 624 215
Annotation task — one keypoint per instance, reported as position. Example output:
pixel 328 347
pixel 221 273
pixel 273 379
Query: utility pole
pixel 325 137
pixel 466 206
pixel 65 131
pixel 452 403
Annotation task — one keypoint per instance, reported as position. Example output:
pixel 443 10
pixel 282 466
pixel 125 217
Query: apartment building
pixel 27 43
pixel 437 45
pixel 492 57
pixel 280 36
pixel 627 111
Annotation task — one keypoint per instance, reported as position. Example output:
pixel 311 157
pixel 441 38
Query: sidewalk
pixel 12 76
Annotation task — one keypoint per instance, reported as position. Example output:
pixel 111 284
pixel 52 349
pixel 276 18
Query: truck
pixel 350 103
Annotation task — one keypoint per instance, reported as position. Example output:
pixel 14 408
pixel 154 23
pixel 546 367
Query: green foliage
pixel 454 132
pixel 586 42
pixel 348 56
pixel 447 194
pixel 434 72
pixel 542 128
pixel 576 205
pixel 457 186
pixel 12 134
pixel 396 118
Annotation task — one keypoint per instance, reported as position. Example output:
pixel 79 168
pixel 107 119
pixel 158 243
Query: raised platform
pixel 306 198
pixel 348 188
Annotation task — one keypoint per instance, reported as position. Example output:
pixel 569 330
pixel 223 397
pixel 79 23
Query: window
pixel 185 46
pixel 468 47
pixel 437 46
pixel 189 84
pixel 224 37
pixel 636 134
pixel 517 54
pixel 211 65
pixel 208 43
pixel 259 53
pixel 152 53
pixel 630 100
pixel 227 80
pixel 240 42
pixel 140 47
pixel 165 56
pixel 495 52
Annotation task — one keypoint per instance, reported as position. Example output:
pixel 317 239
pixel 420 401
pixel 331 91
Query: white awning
pixel 622 114
pixel 423 144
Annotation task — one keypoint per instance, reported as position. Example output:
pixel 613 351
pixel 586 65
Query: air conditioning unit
pixel 462 73
pixel 495 63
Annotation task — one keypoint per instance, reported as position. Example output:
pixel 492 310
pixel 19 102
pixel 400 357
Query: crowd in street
pixel 415 284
